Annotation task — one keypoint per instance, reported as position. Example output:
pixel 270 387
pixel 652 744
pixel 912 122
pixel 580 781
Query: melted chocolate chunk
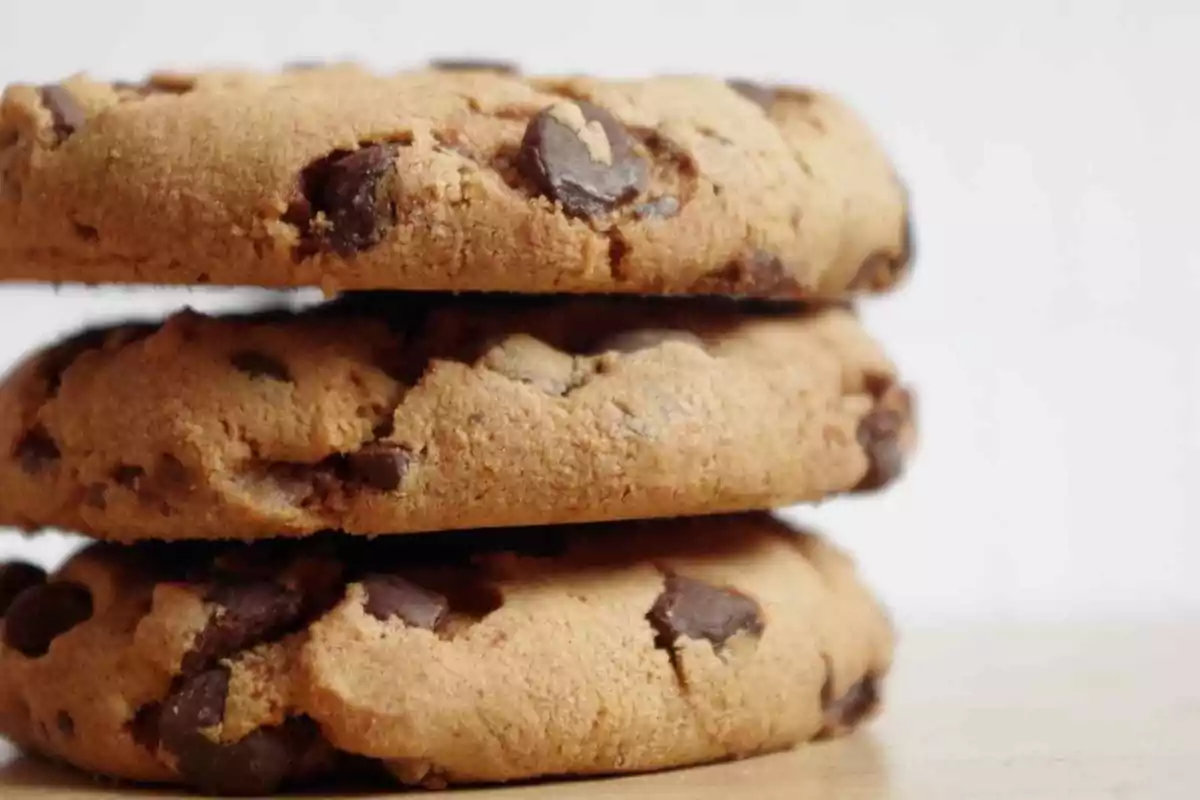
pixel 42 613
pixel 756 93
pixel 579 155
pixel 345 202
pixel 66 113
pixel 845 712
pixel 879 434
pixel 248 613
pixel 697 610
pixel 392 596
pixel 16 577
pixel 379 465
pixel 36 451
pixel 256 764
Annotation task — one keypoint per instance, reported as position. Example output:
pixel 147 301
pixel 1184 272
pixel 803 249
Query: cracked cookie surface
pixel 389 413
pixel 448 658
pixel 451 179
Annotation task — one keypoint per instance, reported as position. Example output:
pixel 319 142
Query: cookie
pixel 446 658
pixel 463 179
pixel 391 413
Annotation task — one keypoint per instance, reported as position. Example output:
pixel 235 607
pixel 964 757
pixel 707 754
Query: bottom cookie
pixel 442 658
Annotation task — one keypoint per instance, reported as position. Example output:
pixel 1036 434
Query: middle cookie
pixel 393 413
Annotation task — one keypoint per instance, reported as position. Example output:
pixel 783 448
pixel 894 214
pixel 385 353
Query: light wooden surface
pixel 991 712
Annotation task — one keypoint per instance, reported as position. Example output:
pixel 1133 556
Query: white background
pixel 1051 325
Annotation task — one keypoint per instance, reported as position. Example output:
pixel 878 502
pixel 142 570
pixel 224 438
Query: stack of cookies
pixel 497 508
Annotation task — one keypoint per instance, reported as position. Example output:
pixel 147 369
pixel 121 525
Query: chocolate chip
pixel 697 610
pixel 881 270
pixel 644 339
pixel 36 450
pixel 357 201
pixel 755 274
pixel 391 596
pixel 379 465
pixel 143 726
pixel 579 155
pixel 248 614
pixel 351 191
pixel 757 93
pixel 474 65
pixel 67 114
pixel 128 475
pixel 878 384
pixel 16 577
pixel 66 725
pixel 659 208
pixel 260 365
pixel 845 712
pixel 879 435
pixel 618 248
pixel 42 613
pixel 256 764
pixel 86 232
pixel 198 703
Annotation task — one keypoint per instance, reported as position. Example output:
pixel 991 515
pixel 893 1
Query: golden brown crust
pixel 449 658
pixel 396 413
pixel 234 178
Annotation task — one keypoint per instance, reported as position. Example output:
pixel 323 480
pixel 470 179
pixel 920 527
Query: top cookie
pixel 447 179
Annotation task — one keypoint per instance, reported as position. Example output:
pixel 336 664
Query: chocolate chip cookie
pixel 389 413
pixel 238 668
pixel 456 179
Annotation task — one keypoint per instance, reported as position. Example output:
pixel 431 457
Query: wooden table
pixel 1012 713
